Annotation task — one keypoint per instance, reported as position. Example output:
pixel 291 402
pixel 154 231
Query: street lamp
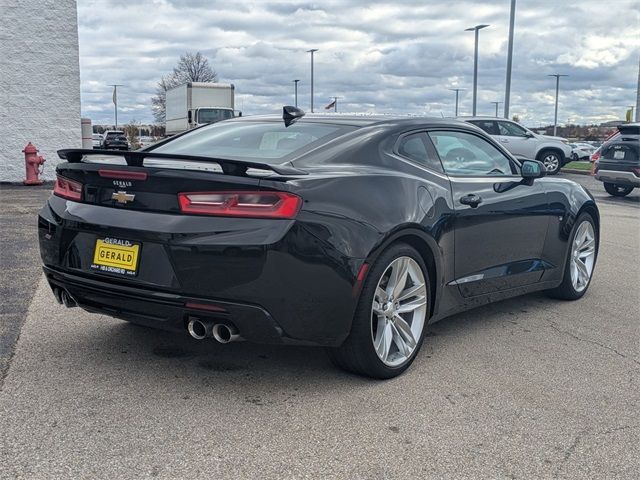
pixel 295 89
pixel 457 90
pixel 555 117
pixel 312 51
pixel 507 90
pixel 496 104
pixel 475 29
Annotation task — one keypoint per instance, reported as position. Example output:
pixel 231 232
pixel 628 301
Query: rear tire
pixel 581 257
pixel 389 324
pixel 617 190
pixel 552 160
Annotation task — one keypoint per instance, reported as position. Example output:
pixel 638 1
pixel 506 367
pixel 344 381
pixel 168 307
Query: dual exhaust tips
pixel 198 328
pixel 221 332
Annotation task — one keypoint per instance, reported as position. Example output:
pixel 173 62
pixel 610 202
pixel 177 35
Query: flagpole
pixel 115 100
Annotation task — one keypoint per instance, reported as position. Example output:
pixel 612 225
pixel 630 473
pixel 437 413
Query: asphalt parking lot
pixel 526 388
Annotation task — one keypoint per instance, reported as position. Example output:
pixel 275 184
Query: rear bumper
pixel 166 311
pixel 277 281
pixel 618 177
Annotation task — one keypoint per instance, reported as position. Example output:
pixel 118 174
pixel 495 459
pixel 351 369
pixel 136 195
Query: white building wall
pixel 39 82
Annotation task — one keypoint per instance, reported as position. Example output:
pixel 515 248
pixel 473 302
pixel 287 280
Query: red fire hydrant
pixel 32 162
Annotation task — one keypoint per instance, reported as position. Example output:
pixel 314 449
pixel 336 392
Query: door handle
pixel 504 140
pixel 472 200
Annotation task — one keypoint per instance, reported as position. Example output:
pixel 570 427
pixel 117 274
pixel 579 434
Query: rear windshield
pixel 118 135
pixel 262 141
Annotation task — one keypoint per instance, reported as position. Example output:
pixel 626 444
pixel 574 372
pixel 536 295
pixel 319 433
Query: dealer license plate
pixel 113 255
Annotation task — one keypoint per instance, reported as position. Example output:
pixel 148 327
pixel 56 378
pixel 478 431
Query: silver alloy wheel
pixel 551 162
pixel 399 311
pixel 583 255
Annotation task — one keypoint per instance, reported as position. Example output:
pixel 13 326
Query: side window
pixel 465 154
pixel 414 147
pixel 511 129
pixel 488 126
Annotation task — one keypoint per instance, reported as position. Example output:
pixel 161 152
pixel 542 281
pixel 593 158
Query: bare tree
pixel 131 130
pixel 192 67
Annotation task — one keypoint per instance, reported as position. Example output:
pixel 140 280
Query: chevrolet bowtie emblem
pixel 122 197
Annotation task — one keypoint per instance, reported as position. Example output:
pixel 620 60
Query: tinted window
pixel 252 140
pixel 511 129
pixel 469 155
pixel 414 147
pixel 488 126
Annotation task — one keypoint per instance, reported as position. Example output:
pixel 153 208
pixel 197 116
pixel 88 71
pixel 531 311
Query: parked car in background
pixel 352 233
pixel 554 152
pixel 581 151
pixel 145 141
pixel 115 140
pixel 96 139
pixel 618 162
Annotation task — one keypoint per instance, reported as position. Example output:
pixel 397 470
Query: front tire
pixel 617 190
pixel 552 160
pixel 581 260
pixel 391 318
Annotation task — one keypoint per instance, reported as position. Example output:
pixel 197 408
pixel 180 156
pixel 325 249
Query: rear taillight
pixel 66 188
pixel 241 204
pixel 595 156
pixel 636 171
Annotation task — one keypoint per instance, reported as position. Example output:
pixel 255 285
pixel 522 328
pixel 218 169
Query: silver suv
pixel 554 152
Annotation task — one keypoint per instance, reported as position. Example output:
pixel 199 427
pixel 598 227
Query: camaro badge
pixel 122 197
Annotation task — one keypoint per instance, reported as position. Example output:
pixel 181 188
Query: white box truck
pixel 196 103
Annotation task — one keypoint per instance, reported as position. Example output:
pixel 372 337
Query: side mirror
pixel 532 169
pixel 528 135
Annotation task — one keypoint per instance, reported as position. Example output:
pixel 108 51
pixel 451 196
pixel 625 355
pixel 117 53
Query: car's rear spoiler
pixel 136 159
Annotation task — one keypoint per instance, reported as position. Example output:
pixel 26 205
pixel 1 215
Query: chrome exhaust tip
pixel 224 333
pixel 67 300
pixel 200 329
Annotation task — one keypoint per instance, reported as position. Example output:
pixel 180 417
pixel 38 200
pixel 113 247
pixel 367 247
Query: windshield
pixel 252 140
pixel 211 115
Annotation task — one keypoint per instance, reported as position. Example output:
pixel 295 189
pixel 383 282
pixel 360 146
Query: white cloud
pixel 389 57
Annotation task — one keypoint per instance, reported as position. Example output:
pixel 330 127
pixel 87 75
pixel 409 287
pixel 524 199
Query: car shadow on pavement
pixel 169 360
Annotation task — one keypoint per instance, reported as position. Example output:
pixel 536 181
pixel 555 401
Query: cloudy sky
pixel 396 56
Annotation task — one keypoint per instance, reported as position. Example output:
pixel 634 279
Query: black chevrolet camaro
pixel 353 233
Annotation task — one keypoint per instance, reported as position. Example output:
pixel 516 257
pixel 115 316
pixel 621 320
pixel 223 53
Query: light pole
pixel 555 116
pixel 295 89
pixel 114 98
pixel 457 90
pixel 496 104
pixel 507 91
pixel 638 96
pixel 312 51
pixel 475 29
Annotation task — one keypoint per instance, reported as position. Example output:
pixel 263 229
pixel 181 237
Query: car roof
pixel 358 120
pixel 480 117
